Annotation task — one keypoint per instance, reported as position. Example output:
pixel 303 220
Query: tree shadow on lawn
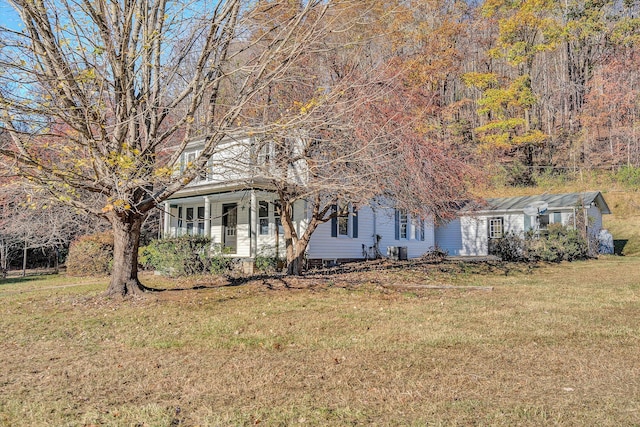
pixel 13 280
pixel 343 275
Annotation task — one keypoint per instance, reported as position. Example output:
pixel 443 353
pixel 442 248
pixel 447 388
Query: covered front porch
pixel 246 223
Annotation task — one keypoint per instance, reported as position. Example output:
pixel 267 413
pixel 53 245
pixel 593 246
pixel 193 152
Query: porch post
pixel 167 219
pixel 207 217
pixel 253 226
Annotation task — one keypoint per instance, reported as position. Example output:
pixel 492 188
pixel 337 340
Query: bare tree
pixel 93 92
pixel 29 221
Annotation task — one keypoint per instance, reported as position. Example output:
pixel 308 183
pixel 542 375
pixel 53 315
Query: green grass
pixel 555 344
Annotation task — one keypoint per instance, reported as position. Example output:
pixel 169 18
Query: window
pixel 403 224
pixel 189 221
pixel 419 229
pixel 263 218
pixel 496 228
pixel 343 221
pixel 264 154
pixel 277 207
pixel 544 221
pixel 201 220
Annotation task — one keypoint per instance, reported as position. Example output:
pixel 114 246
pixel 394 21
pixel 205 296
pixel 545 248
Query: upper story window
pixel 265 153
pixel 189 158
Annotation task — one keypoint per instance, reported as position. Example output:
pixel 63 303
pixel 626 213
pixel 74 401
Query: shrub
pixel 511 247
pixel 560 244
pixel 91 255
pixel 266 260
pixel 435 254
pixel 183 256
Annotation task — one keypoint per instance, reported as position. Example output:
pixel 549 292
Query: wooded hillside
pixel 524 87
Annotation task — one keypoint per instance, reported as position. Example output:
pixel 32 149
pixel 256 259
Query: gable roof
pixel 555 201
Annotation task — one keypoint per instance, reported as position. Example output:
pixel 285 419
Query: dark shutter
pixel 354 223
pixel 334 221
pixel 397 224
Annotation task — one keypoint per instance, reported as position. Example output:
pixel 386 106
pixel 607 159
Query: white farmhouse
pixel 471 233
pixel 235 205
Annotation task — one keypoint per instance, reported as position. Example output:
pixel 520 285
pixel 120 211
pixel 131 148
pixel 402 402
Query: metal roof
pixel 555 201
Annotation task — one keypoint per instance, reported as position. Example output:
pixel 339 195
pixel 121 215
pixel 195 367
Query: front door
pixel 230 227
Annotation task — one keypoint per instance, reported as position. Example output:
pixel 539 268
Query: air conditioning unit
pixel 397 253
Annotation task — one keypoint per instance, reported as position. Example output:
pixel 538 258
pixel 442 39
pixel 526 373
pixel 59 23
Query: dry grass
pixel 553 345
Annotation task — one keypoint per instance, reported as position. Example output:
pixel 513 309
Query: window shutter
pixel 334 221
pixel 422 230
pixel 527 222
pixel 557 218
pixel 354 223
pixel 397 225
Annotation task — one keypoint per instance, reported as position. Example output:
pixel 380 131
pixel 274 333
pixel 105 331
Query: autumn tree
pixel 93 92
pixel 349 134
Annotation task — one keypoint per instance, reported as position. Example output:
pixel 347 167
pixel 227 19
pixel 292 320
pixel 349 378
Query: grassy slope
pixel 557 345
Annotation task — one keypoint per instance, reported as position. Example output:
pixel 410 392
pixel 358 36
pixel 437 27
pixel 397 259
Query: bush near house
pixel 91 255
pixel 183 256
pixel 560 244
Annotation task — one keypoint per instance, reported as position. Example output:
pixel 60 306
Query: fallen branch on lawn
pixel 416 286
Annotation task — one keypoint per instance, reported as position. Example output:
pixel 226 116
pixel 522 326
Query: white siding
pixel 475 239
pixel 449 237
pixel 594 216
pixel 513 223
pixel 370 223
pixel 323 246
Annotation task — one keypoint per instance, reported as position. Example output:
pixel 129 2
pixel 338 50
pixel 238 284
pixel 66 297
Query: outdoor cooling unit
pixel 397 253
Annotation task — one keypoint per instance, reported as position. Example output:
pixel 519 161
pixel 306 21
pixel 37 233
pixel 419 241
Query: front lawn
pixel 551 345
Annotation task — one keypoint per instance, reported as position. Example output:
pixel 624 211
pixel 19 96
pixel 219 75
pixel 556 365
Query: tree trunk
pixel 56 264
pixel 295 259
pixel 24 260
pixel 126 240
pixel 297 249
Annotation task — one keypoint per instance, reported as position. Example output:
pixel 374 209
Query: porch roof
pixel 208 187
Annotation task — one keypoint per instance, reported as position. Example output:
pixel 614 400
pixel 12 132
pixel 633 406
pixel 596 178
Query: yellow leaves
pixel 87 75
pixel 117 205
pixel 508 134
pixel 306 108
pixel 533 137
pixel 480 80
pixel 164 172
pixel 501 102
pixel 126 160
